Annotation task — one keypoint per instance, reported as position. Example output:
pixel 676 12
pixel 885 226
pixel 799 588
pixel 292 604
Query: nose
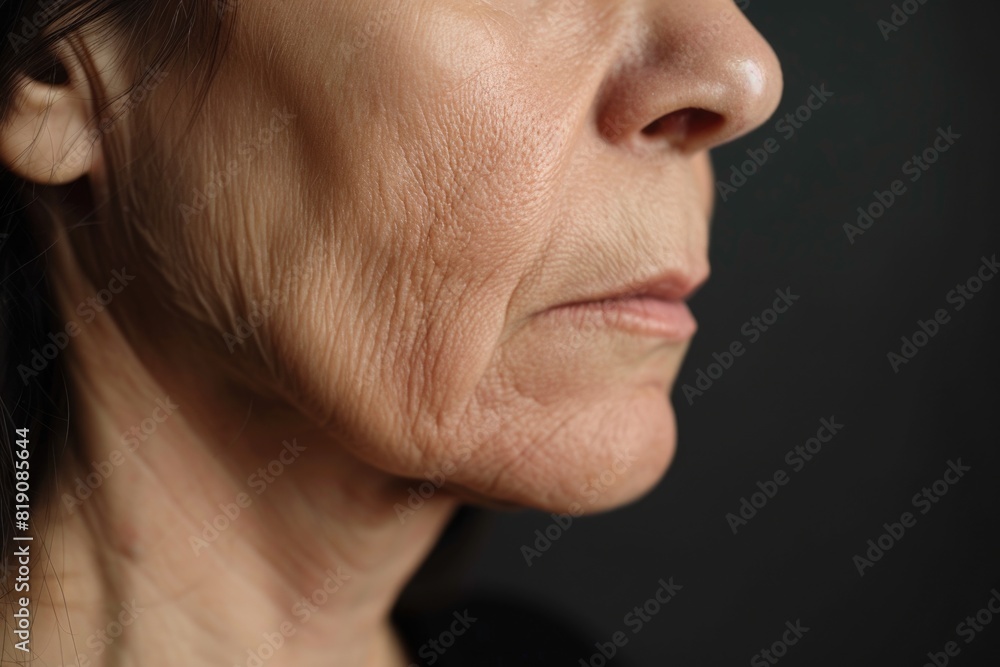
pixel 690 76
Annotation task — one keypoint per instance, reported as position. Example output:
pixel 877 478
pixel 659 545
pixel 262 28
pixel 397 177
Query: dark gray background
pixel 825 357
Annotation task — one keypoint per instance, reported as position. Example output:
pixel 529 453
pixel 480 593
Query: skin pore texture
pixel 342 265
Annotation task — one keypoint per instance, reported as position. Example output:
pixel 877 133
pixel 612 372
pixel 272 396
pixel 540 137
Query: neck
pixel 207 528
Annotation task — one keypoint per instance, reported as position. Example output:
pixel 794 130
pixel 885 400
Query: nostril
pixel 679 127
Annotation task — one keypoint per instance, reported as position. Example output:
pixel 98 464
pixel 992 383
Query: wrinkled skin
pixel 433 174
pixel 391 193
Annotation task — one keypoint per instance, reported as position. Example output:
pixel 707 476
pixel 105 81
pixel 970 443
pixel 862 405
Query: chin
pixel 651 449
pixel 590 466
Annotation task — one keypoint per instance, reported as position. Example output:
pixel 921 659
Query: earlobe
pixel 50 136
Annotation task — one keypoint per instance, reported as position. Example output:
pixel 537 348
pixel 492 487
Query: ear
pixel 50 135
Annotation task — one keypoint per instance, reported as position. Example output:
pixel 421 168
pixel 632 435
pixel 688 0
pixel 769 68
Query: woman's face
pixel 381 198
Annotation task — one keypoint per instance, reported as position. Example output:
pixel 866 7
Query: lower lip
pixel 646 316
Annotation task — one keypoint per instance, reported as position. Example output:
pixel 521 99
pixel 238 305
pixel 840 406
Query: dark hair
pixel 190 33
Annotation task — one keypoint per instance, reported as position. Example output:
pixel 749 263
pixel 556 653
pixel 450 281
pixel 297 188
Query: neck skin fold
pixel 204 529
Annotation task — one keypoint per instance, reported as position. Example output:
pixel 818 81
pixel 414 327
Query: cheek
pixel 444 211
pixel 398 281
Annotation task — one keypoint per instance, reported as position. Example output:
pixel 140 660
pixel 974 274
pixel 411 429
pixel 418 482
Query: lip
pixel 654 307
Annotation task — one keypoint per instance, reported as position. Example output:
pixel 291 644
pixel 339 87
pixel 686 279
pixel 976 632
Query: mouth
pixel 655 307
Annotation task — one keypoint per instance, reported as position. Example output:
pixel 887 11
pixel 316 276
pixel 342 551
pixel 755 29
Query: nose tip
pixel 751 92
pixel 697 78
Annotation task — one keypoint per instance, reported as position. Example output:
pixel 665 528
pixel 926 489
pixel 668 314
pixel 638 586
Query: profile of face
pixel 382 212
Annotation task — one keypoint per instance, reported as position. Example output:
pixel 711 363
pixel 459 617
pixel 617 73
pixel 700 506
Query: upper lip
pixel 672 285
